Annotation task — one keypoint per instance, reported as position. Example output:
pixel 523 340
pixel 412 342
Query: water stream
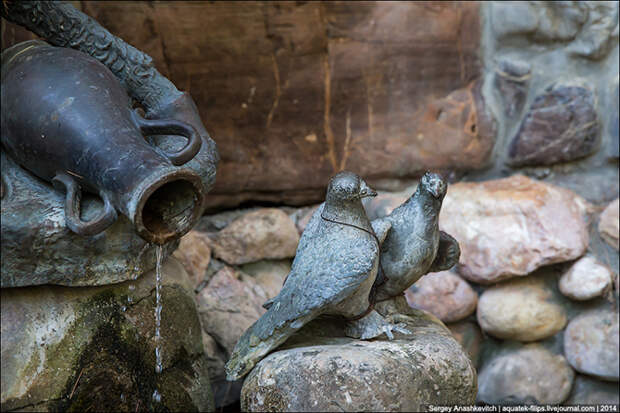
pixel 158 306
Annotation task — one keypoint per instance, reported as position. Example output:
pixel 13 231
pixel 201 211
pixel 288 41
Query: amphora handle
pixel 72 208
pixel 172 127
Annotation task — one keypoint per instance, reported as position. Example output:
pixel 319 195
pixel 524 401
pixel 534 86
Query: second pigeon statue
pixel 333 272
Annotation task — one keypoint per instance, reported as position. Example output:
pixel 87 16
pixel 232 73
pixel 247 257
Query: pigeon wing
pixel 448 253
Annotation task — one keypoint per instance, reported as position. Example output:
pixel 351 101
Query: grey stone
pixel 524 374
pixel 591 343
pixel 344 374
pixel 561 125
pixel 94 348
pixel 468 334
pixel 443 294
pixel 524 309
pixel 266 233
pixel 587 390
pixel 195 255
pixel 37 248
pixel 511 80
pixel 600 32
pixel 586 279
pixel 609 224
pixel 613 150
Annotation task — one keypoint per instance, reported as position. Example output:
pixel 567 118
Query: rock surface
pixel 524 309
pixel 269 275
pixel 587 390
pixel 194 254
pixel 586 279
pixel 468 334
pixel 561 125
pixel 61 346
pixel 347 88
pixel 525 374
pixel 37 248
pixel 588 28
pixel 509 227
pixel 591 344
pixel 266 233
pixel 343 374
pixel 511 80
pixel 443 294
pixel 609 224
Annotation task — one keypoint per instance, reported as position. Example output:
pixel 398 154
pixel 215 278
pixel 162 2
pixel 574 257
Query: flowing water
pixel 158 364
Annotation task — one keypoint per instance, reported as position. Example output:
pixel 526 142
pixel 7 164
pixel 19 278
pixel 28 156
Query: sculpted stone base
pixel 38 248
pixel 319 369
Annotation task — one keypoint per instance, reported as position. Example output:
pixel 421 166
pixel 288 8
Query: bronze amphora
pixel 67 119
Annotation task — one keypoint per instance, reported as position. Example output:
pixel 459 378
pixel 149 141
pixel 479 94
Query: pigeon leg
pixel 373 325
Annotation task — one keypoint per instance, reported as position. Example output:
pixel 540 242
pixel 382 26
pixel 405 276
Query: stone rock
pixel 524 374
pixel 37 248
pixel 302 217
pixel 590 28
pixel 510 227
pixel 229 304
pixel 600 32
pixel 66 349
pixel 587 390
pixel 613 146
pixel 609 224
pixel 346 89
pixel 269 275
pixel 561 125
pixel 541 21
pixel 443 294
pixel 591 343
pixel 194 253
pixel 524 309
pixel 267 233
pixel 343 374
pixel 586 279
pixel 511 80
pixel 469 336
pixel 384 203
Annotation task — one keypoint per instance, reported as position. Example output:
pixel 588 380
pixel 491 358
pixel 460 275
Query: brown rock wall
pixel 293 92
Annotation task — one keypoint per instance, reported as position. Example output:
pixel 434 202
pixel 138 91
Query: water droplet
pixel 156 396
pixel 132 287
pixel 123 309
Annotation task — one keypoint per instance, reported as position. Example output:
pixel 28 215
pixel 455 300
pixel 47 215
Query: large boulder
pixel 510 227
pixel 38 248
pixel 344 374
pixel 94 348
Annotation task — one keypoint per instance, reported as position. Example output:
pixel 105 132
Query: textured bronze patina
pixel 67 119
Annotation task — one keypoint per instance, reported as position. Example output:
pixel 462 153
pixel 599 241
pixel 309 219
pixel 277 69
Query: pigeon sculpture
pixel 414 245
pixel 333 273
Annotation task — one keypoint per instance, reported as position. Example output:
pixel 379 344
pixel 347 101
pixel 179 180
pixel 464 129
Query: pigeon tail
pixel 251 348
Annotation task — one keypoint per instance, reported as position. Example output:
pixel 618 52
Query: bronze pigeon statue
pixel 414 245
pixel 333 272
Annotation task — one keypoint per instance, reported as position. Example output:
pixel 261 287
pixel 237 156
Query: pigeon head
pixel 347 186
pixel 434 184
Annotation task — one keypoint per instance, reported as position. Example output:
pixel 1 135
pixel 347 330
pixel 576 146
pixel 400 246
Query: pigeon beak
pixel 366 191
